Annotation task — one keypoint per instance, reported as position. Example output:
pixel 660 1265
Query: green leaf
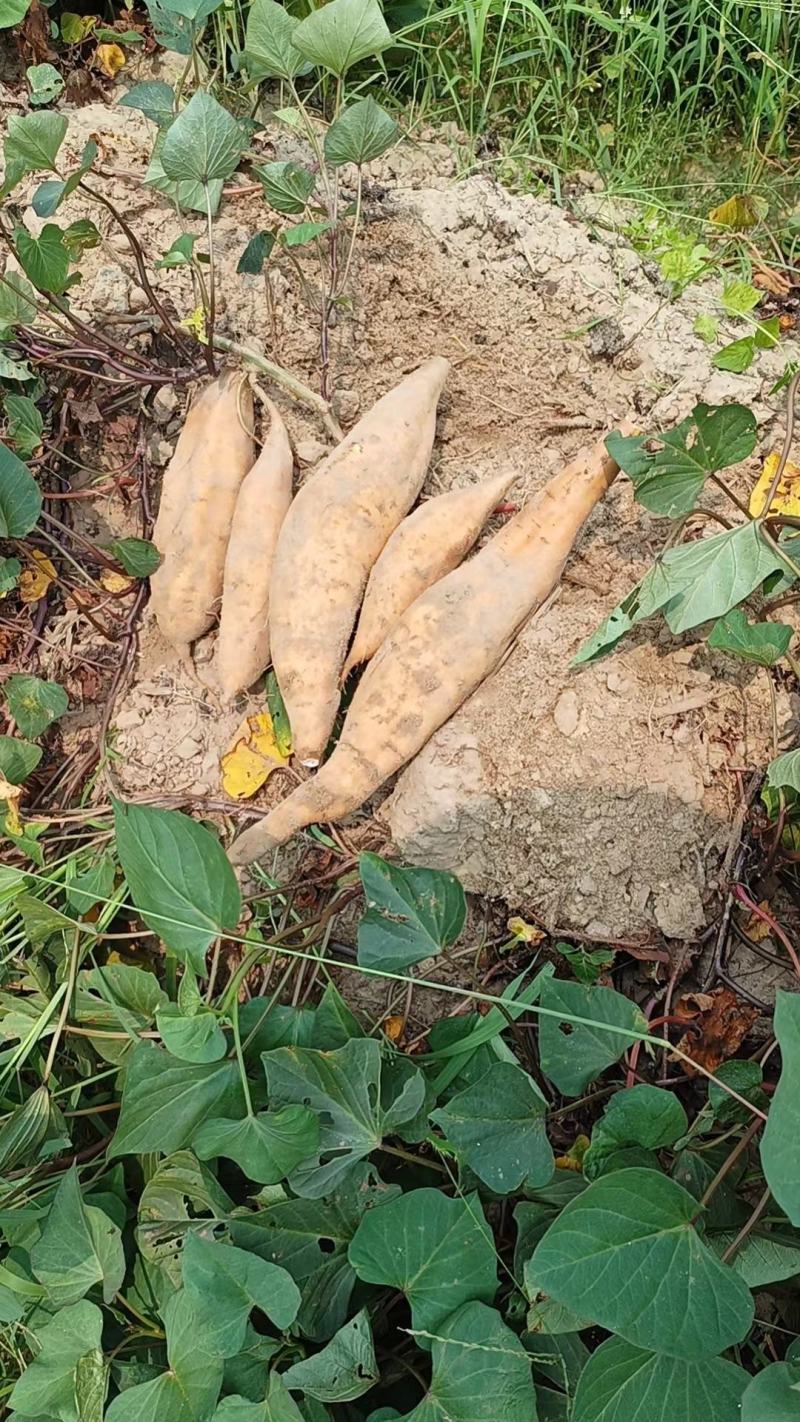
pixel 258 249
pixel 481 1372
pixel 164 1100
pixel 181 1196
pixel 44 259
pixel 189 195
pixel 47 1388
pixel 79 1247
pixel 31 145
pixel 767 334
pixel 762 1259
pixel 363 131
pixel 266 1147
pixel 25 424
pixel 223 1285
pixel 784 771
pixel 779 1141
pixel 344 1369
pixel 179 254
pixel 76 28
pixel 96 886
pixel 439 1251
pixel 192 1038
pixel 23 1131
pixel 34 704
pixel 304 232
pixel 277 1406
pixel 13 12
pixel 155 99
pixel 138 556
pixel 268 47
pixel 736 357
pixel 45 83
pixel 669 480
pixel 602 1254
pixel 17 300
pixel 180 878
pixel 739 298
pixel 344 1087
pixel 18 759
pixel 643 1116
pixel 189 1391
pixel 49 197
pixel 573 1054
pixel 761 642
pixel 287 186
pixel 91 1385
pixel 706 579
pixel 772 1396
pixel 203 143
pixel 706 327
pixel 14 369
pixel 80 237
pixel 411 914
pixel 497 1126
pixel 20 499
pixel 621 1383
pixel 342 33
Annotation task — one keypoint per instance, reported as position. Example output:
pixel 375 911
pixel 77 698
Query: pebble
pixel 187 748
pixel 164 402
pixel 566 714
pixel 126 720
pixel 138 300
pixel 309 451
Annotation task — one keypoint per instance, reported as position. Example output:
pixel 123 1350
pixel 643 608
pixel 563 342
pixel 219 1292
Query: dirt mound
pixel 597 799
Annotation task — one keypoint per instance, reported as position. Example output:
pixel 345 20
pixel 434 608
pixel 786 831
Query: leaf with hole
pixel 266 1147
pixel 343 1370
pixel 574 1053
pixel 138 556
pixel 188 1391
pixel 20 499
pixel 480 1371
pixel 31 145
pixel 223 1285
pixel 497 1126
pixel 165 1100
pixel 268 47
pixel 362 132
pixel 670 479
pixel 203 143
pixel 47 1386
pixel 437 1250
pixel 600 1256
pixel 180 878
pixel 411 914
pixel 782 1132
pixel 18 759
pixel 341 33
pixel 761 642
pixel 346 1089
pixel 25 424
pixel 45 83
pixel 154 98
pixel 79 1246
pixel 287 186
pixel 33 703
pixel 621 1383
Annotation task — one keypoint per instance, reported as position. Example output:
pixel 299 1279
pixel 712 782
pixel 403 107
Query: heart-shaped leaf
pixel 574 1053
pixel 411 914
pixel 47 1386
pixel 497 1126
pixel 361 132
pixel 79 1246
pixel 782 1132
pixel 268 46
pixel 203 143
pixel 670 479
pixel 480 1372
pixel 266 1147
pixel 621 1383
pixel 20 499
pixel 761 642
pixel 188 1391
pixel 287 186
pixel 165 1100
pixel 34 704
pixel 342 33
pixel 223 1284
pixel 343 1370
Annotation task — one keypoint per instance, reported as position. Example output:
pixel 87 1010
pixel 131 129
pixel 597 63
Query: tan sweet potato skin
pixel 440 651
pixel 330 540
pixel 242 651
pixel 194 520
pixel 431 542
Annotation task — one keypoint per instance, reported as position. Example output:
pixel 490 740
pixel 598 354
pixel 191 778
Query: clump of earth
pixel 598 801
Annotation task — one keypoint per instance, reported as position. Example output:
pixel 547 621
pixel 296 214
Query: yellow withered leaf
pixel 114 582
pixel 110 58
pixel 11 795
pixel 739 212
pixel 35 579
pixel 787 494
pixel 251 758
pixel 526 932
pixel 393 1027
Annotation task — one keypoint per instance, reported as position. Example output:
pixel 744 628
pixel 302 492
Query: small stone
pixel 348 405
pixel 309 451
pixel 126 720
pixel 187 748
pixel 566 713
pixel 118 242
pixel 164 402
pixel 138 300
pixel 160 451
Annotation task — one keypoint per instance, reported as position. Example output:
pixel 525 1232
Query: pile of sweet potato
pixel 288 577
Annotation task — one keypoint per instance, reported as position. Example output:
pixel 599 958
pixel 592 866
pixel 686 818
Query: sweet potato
pixel 423 548
pixel 442 648
pixel 196 511
pixel 242 651
pixel 330 539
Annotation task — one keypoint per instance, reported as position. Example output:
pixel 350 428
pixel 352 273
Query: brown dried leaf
pixel 110 59
pixel 724 1021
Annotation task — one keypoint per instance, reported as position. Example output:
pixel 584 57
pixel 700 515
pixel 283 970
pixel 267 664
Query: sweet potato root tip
pixel 444 645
